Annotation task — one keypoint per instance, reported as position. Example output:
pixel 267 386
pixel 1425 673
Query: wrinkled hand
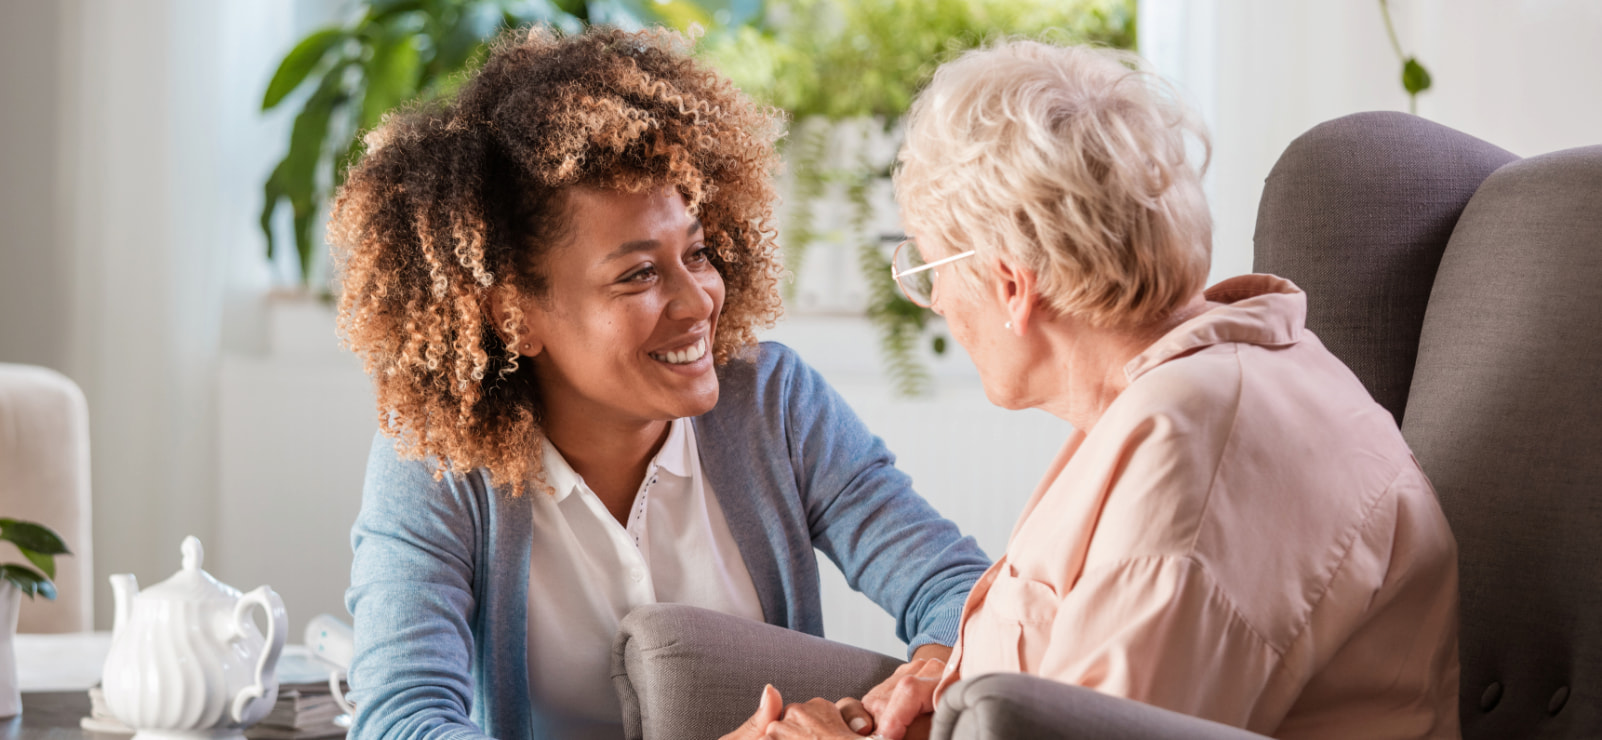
pixel 768 711
pixel 893 705
pixel 818 719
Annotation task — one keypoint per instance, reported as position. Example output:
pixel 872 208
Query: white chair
pixel 44 478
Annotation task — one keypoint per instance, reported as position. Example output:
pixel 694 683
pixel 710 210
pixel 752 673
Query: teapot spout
pixel 124 587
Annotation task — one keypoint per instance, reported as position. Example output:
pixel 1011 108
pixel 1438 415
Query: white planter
pixel 10 693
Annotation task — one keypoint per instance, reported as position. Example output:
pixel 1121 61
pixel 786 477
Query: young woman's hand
pixel 768 711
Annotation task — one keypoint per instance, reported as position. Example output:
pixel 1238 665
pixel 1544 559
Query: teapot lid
pixel 191 583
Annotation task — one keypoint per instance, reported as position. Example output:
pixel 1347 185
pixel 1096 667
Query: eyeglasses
pixel 915 276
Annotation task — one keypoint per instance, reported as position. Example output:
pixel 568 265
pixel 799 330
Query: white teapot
pixel 186 659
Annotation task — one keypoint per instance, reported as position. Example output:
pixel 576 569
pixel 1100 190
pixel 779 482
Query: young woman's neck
pixel 611 456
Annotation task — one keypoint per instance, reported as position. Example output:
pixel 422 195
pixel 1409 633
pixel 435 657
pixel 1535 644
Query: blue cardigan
pixel 439 584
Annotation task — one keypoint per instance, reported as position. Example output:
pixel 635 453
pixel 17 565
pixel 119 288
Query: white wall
pixel 1525 75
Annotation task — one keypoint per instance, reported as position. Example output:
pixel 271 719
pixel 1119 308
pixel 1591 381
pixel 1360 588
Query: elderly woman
pixel 1235 530
pixel 554 279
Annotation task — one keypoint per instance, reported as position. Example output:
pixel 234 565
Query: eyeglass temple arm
pixel 943 260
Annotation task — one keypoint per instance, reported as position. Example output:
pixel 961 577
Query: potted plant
pixel 39 545
pixel 846 71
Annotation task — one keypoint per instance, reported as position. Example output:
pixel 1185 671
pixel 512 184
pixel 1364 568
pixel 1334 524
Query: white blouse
pixel 587 572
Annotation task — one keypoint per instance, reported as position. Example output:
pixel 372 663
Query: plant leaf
pixel 476 24
pixel 727 13
pixel 296 176
pixel 576 8
pixel 305 212
pixel 392 75
pixel 45 563
pixel 28 580
pixel 1415 79
pixel 306 140
pixel 379 9
pixel 30 536
pixel 299 63
pixel 676 13
pixel 272 192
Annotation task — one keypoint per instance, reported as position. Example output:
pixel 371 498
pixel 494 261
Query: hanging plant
pixel 839 60
pixel 1415 79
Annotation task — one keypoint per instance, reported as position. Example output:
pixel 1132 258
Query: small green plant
pixel 40 545
pixel 1415 79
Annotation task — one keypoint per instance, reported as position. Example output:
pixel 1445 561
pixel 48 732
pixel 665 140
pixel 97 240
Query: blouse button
pixel 1492 695
pixel 1559 698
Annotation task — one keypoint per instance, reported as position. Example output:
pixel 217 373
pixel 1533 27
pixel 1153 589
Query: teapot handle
pixel 277 625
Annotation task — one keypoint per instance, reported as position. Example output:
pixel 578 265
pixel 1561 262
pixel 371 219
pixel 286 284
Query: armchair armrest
pixel 685 673
pixel 1014 705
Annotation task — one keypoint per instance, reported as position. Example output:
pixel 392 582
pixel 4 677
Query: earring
pixel 1007 326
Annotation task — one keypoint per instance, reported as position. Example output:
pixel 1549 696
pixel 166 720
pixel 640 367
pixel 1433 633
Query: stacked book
pixel 303 711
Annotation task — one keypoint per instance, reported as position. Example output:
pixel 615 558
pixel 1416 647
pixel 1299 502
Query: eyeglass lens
pixel 919 285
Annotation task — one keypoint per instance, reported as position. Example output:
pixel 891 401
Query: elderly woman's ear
pixel 1017 290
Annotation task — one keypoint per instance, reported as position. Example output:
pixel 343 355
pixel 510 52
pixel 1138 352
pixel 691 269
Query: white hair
pixel 1070 162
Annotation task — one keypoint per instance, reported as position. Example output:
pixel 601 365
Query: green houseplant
pixel 39 545
pixel 832 61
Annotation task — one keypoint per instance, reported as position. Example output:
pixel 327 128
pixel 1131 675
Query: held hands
pixel 894 706
pixel 901 705
pixel 815 720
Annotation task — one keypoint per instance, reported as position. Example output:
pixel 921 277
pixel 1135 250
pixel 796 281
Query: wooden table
pixel 51 715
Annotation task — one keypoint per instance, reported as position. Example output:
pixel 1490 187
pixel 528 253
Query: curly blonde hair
pixel 459 200
pixel 1071 162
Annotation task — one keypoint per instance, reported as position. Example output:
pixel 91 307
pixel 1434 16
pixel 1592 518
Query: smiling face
pixel 625 332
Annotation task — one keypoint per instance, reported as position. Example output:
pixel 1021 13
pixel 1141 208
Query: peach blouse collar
pixel 1265 310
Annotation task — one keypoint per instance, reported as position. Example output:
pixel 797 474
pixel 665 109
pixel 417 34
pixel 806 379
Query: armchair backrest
pixel 1464 288
pixel 1357 212
pixel 1505 415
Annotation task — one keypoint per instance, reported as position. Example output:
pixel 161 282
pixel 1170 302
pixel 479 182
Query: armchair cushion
pixel 1015 705
pixel 685 673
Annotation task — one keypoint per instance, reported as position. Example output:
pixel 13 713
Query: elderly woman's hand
pixel 897 702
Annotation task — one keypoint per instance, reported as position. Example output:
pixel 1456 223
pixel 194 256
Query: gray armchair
pixel 1464 287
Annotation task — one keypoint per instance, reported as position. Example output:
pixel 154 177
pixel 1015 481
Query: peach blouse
pixel 1244 536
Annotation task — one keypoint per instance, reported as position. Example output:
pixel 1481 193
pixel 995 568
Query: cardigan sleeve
pixel 411 595
pixel 863 514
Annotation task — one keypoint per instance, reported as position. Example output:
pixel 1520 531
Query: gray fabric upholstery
pixel 1505 415
pixel 1007 706
pixel 1356 212
pixel 685 673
